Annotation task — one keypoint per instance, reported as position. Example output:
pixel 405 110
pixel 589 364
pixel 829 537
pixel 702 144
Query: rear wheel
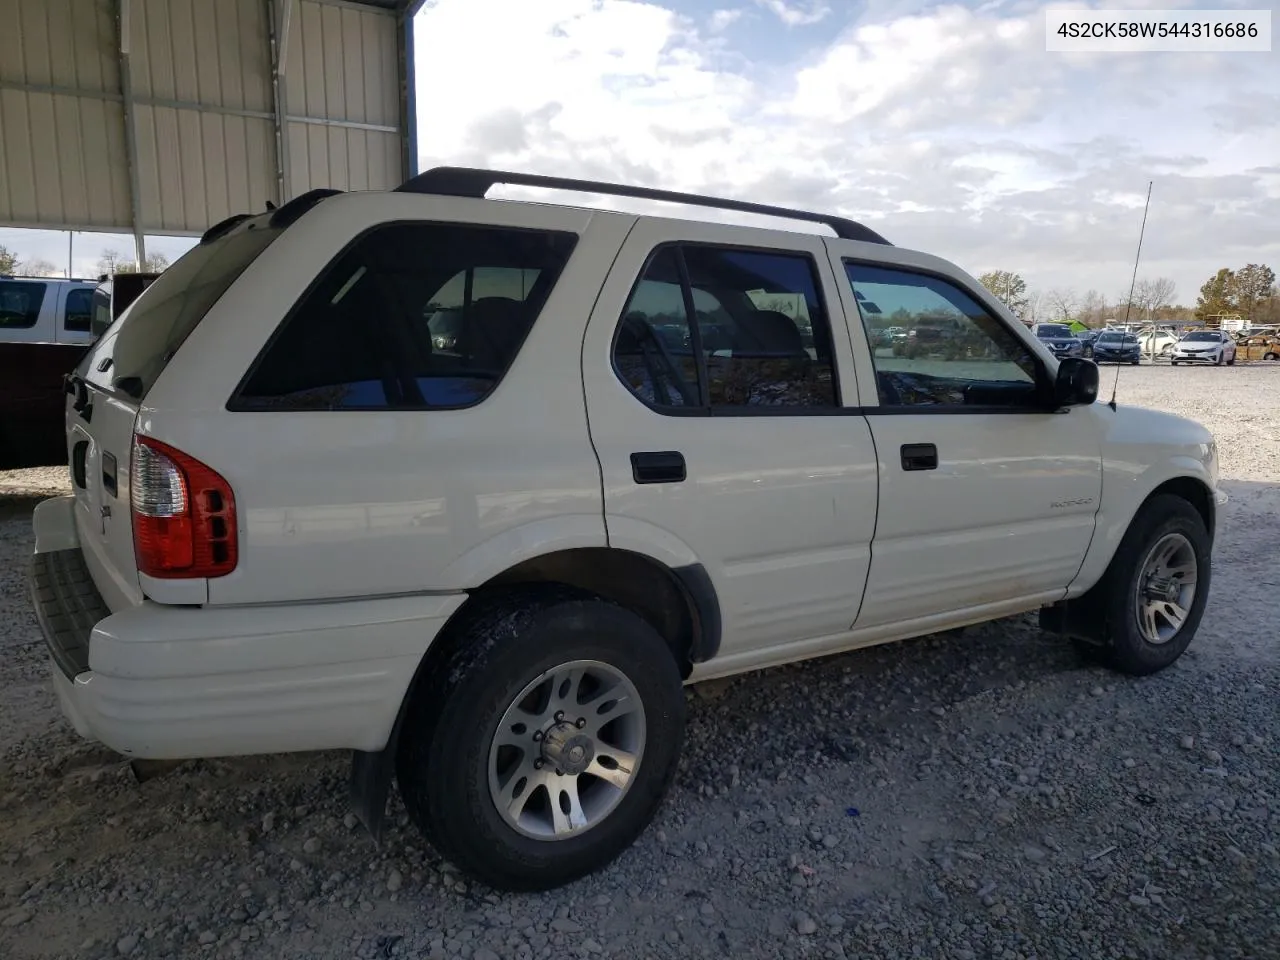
pixel 1153 594
pixel 1272 356
pixel 542 747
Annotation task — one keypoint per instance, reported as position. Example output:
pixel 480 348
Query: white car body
pixel 361 533
pixel 1205 346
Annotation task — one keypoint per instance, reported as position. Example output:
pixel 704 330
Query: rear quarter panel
pixel 361 503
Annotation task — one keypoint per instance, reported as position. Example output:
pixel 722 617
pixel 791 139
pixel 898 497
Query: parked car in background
pixel 1059 338
pixel 1260 346
pixel 1087 339
pixel 44 329
pixel 1116 346
pixel 1204 346
pixel 1158 342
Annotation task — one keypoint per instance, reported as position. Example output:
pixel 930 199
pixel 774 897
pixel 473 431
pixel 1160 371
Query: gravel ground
pixel 976 796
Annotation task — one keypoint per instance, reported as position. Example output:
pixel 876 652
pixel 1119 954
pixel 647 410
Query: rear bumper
pixel 169 682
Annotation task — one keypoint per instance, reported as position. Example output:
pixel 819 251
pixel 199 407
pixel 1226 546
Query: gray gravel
pixel 976 796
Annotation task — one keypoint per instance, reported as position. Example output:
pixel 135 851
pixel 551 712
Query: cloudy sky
pixel 947 127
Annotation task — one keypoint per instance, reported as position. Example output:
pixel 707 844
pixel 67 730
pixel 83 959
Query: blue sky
pixel 947 127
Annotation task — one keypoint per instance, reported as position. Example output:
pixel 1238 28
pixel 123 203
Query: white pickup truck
pixel 486 555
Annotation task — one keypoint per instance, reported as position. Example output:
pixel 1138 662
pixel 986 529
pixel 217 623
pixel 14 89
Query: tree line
pixel 1249 293
pixel 109 263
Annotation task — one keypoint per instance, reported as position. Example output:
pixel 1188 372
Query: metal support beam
pixel 409 86
pixel 123 12
pixel 279 16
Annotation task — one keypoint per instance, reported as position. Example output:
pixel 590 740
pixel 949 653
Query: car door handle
pixel 665 466
pixel 919 456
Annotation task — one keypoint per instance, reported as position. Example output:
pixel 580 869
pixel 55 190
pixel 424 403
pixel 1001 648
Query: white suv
pixel 484 552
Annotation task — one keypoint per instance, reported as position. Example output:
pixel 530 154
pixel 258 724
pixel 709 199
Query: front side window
pixel 953 352
pixel 78 310
pixel 20 304
pixel 711 328
pixel 412 316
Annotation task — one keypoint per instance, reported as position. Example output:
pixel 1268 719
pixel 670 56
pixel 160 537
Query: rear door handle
pixel 919 456
pixel 665 466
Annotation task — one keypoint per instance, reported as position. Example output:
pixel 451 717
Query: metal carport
pixel 162 117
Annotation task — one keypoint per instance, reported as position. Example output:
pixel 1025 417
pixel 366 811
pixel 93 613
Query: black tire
pixel 1272 356
pixel 1125 649
pixel 1173 363
pixel 443 756
pixel 1134 363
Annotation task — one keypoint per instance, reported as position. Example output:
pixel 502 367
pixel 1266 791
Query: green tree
pixel 8 261
pixel 1217 295
pixel 1009 287
pixel 1250 287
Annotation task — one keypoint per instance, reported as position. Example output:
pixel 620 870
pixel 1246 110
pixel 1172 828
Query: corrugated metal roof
pixel 204 111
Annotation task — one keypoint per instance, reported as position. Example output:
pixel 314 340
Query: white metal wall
pixel 210 133
pixel 341 66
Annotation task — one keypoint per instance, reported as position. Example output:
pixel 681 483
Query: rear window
pixel 144 340
pixel 411 316
pixel 20 304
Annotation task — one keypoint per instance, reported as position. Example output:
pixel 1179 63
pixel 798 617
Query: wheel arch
pixel 679 602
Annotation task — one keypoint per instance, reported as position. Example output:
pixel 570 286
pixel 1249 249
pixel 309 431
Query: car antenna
pixel 1115 384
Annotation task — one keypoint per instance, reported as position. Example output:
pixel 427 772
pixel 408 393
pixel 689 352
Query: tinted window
pixel 101 307
pixel 1199 337
pixel 954 352
pixel 411 316
pixel 758 337
pixel 145 339
pixel 20 304
pixel 78 310
pixel 1117 338
pixel 1051 330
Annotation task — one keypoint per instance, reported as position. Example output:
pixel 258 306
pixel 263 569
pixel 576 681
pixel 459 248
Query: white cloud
pixel 949 128
pixel 797 13
pixel 723 19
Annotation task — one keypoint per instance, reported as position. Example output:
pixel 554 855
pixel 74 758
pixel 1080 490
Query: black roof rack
pixel 475 182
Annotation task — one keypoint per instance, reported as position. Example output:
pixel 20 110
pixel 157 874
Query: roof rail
pixel 476 182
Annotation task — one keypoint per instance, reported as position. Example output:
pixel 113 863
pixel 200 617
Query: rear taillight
pixel 184 514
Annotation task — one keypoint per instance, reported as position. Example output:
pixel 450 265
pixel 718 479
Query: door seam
pixel 582 376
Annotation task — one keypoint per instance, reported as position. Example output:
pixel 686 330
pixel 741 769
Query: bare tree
pixel 1062 302
pixel 1033 307
pixel 40 268
pixel 1150 295
pixel 1093 309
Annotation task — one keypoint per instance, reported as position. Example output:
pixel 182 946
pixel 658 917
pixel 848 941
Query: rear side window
pixel 412 316
pixel 20 304
pixel 146 338
pixel 78 310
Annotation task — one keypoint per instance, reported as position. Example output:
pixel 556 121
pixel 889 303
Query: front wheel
pixel 1272 356
pixel 543 746
pixel 1154 591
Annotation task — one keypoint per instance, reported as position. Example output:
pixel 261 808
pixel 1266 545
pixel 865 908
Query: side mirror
pixel 1077 382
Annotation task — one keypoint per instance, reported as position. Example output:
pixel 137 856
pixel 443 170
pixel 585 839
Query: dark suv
pixel 1059 338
